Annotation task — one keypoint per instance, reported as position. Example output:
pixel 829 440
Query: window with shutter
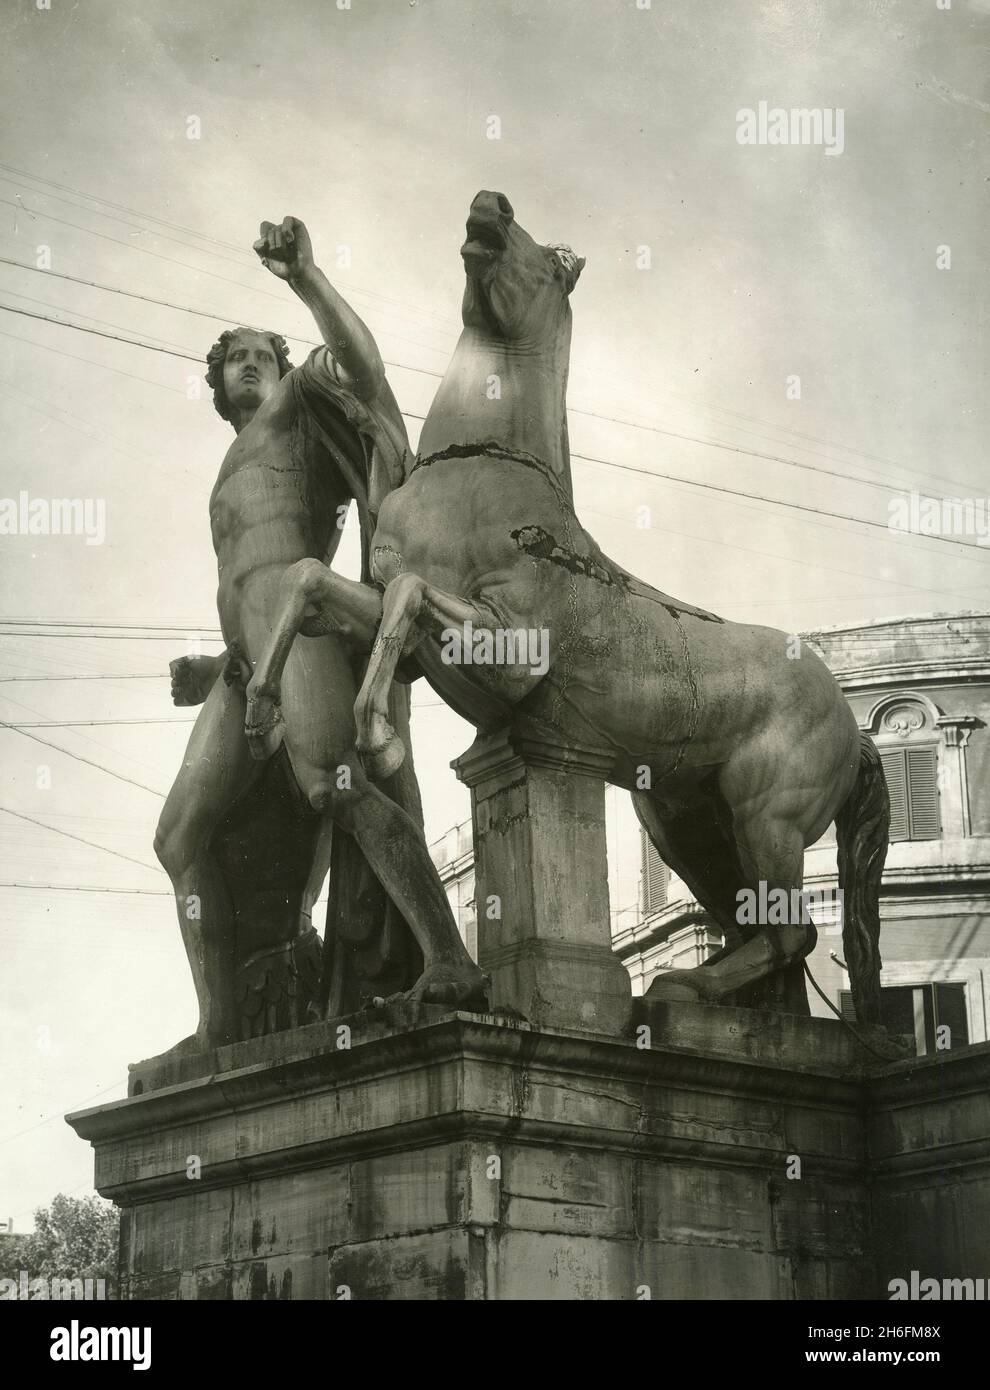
pixel 846 1007
pixel 922 773
pixel 896 772
pixel 950 1013
pixel 912 780
pixel 656 877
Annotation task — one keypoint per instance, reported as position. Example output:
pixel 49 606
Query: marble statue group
pixel 737 756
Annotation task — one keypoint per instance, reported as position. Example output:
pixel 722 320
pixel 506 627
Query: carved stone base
pixel 740 1156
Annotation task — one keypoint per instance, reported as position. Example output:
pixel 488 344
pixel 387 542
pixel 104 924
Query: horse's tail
pixel 862 827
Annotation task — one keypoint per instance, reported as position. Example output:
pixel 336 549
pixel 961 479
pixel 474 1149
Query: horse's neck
pixel 504 393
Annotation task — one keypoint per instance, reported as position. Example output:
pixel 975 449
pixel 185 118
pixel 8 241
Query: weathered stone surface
pixel 699 1272
pixel 469 1159
pixel 756 1034
pixel 688 1204
pixel 815 1218
pixel 401 1193
pixel 545 1189
pixel 536 1265
pixel 446 1264
pixel 183 1232
pixel 296 1214
pixel 538 814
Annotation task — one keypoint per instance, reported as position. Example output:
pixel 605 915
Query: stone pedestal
pixel 740 1156
pixel 541 877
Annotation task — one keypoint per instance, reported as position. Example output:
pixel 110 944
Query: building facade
pixel 453 854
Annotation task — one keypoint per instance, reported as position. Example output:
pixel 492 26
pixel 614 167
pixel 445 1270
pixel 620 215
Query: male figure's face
pixel 250 370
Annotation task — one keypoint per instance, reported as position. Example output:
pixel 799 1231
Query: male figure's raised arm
pixel 287 251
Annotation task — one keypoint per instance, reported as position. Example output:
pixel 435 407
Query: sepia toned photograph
pixel 495 662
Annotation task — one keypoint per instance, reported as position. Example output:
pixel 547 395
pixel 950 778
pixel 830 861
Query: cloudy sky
pixel 715 272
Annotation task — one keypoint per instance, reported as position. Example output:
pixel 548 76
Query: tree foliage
pixel 74 1238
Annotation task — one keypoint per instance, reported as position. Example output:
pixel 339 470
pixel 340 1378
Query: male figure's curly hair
pixel 217 356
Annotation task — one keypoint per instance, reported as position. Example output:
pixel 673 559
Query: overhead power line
pixel 89 723
pixel 244 259
pixel 177 348
pixel 244 253
pixel 650 428
pixel 37 680
pixel 609 463
pixel 158 256
pixel 803 561
pixel 775 501
pixel 117 207
pixel 184 265
pixel 80 759
pixel 201 313
pixel 171 628
pixel 88 429
pixel 60 1115
pixel 98 333
pixel 768 428
pixel 91 844
pixel 104 366
pixel 749 453
pixel 87 888
pixel 127 294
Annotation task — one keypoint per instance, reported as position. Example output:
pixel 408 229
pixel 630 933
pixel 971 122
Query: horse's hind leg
pixel 382 750
pixel 769 852
pixel 312 600
pixel 694 845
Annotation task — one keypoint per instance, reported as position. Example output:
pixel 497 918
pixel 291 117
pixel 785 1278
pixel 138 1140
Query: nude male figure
pixel 277 505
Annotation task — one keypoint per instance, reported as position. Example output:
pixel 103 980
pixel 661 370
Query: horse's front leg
pixel 410 609
pixel 315 601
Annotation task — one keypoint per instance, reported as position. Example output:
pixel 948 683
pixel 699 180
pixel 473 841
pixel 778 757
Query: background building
pixel 453 854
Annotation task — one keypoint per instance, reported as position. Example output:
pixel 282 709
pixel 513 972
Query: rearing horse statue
pixel 737 755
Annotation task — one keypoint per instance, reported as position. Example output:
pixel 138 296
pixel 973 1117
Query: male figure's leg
pixel 216 771
pixel 318 692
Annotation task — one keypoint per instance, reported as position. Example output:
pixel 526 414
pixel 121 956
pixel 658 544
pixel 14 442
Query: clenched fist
pixel 192 678
pixel 284 248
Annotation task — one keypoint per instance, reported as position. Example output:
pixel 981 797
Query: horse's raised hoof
pixel 264 727
pixel 382 758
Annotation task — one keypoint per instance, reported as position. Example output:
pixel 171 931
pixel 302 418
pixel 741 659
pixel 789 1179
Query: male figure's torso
pixel 275 502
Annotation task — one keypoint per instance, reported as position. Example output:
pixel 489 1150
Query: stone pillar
pixel 956 730
pixel 541 874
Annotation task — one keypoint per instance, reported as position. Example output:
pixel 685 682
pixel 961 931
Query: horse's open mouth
pixel 485 242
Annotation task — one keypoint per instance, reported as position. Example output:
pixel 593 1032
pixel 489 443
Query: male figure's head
pixel 244 368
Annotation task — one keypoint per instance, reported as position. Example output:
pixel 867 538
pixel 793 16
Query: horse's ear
pixel 572 265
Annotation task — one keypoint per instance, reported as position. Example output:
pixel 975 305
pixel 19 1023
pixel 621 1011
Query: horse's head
pixel 515 288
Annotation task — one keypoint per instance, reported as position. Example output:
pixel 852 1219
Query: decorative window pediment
pixel 924 757
pixel 904 719
pixel 911 715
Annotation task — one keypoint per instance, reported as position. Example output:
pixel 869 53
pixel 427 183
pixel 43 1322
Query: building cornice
pixel 911 673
